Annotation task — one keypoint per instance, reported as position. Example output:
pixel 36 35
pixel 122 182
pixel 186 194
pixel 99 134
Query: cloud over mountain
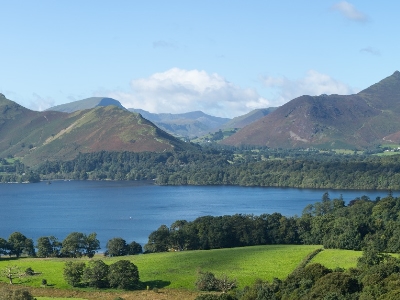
pixel 314 83
pixel 178 91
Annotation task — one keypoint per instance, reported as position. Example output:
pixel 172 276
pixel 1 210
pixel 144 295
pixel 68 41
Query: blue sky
pixel 222 57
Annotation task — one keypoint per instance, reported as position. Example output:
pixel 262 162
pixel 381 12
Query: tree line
pixel 75 245
pixel 263 167
pixel 329 222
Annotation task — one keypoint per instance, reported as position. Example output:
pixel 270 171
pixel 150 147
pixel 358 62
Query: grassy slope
pixel 334 258
pixel 179 269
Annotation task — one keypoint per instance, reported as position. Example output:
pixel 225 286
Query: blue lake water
pixel 132 210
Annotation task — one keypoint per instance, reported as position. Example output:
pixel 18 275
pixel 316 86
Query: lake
pixel 133 209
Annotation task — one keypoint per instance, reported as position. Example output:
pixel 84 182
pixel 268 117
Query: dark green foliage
pixel 19 244
pixel 4 247
pixel 29 272
pixel 134 248
pixel 96 274
pixel 335 284
pixel 159 240
pixel 77 244
pixel 117 247
pixel 73 272
pixel 123 275
pixel 48 246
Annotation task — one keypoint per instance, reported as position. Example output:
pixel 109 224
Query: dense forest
pixel 363 222
pixel 261 167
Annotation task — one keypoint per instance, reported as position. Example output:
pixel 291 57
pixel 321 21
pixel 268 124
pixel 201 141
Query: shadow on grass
pixel 155 284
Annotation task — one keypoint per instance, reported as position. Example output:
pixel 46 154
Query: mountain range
pixel 363 120
pixel 38 136
pixel 191 124
pixel 187 125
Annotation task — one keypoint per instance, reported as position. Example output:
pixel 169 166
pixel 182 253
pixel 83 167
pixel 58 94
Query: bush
pixel 73 272
pixel 29 272
pixel 96 274
pixel 208 282
pixel 123 275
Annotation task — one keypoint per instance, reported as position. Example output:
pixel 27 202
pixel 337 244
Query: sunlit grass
pixel 179 269
pixel 336 258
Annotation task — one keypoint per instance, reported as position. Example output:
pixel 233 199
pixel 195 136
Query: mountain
pixel 189 124
pixel 244 120
pixel 85 104
pixel 336 121
pixel 38 136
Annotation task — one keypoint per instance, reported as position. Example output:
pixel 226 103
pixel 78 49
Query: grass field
pixel 334 258
pixel 174 273
pixel 179 269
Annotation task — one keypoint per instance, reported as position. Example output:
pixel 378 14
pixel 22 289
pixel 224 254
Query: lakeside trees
pixel 329 223
pixel 261 167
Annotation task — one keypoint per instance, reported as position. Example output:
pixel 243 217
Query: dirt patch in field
pixel 161 294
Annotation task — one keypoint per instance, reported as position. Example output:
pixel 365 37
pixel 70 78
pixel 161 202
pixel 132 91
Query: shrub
pixel 123 275
pixel 73 272
pixel 206 281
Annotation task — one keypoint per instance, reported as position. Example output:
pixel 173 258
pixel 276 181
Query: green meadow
pixel 336 258
pixel 178 270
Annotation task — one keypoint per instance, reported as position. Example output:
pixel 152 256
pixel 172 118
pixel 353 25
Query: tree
pixel 134 248
pixel 44 247
pixel 92 244
pixel 73 272
pixel 73 245
pixel 12 272
pixel 158 240
pixel 96 274
pixel 123 275
pixel 117 247
pixel 3 247
pixel 18 244
pixel 77 244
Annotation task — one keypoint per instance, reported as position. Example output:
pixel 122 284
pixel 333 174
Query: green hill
pixel 50 135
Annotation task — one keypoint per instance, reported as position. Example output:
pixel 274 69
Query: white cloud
pixel 314 83
pixel 165 44
pixel 178 91
pixel 371 50
pixel 350 12
pixel 41 103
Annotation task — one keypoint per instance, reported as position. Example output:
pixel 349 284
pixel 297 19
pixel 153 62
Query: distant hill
pixel 85 104
pixel 350 121
pixel 244 120
pixel 189 124
pixel 48 135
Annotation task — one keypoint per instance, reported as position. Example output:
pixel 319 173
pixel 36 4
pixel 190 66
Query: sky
pixel 224 58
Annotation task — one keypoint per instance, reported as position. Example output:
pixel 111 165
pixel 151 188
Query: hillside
pixel 244 120
pixel 336 121
pixel 49 135
pixel 85 104
pixel 189 124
